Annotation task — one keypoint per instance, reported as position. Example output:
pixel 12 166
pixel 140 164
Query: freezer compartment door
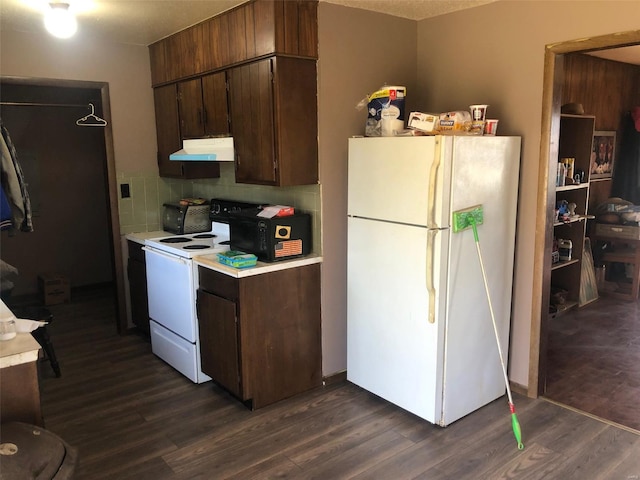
pixel 393 350
pixel 398 179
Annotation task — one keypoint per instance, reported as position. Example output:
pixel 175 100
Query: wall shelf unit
pixel 576 137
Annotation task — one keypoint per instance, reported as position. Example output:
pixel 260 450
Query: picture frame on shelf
pixel 602 154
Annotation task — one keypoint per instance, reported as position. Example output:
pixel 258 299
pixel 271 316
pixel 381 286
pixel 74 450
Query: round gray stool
pixel 27 451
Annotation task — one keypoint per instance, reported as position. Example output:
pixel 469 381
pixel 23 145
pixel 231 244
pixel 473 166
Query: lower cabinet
pixel 137 273
pixel 260 335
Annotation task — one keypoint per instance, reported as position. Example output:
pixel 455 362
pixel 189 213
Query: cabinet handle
pixel 206 118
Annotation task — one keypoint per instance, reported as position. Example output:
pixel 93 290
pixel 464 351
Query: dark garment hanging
pixel 14 186
pixel 626 174
pixel 5 211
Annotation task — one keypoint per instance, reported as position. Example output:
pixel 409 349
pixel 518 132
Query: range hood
pixel 218 149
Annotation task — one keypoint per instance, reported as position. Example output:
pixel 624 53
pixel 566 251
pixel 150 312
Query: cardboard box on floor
pixel 54 288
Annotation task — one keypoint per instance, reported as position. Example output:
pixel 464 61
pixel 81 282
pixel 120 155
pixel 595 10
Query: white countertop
pixel 23 348
pixel 140 237
pixel 211 262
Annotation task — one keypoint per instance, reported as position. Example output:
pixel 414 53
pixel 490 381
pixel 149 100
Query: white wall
pixel 359 52
pixel 124 67
pixel 498 60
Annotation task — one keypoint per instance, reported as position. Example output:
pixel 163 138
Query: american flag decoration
pixel 288 248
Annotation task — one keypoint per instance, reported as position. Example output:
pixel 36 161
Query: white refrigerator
pixel 419 329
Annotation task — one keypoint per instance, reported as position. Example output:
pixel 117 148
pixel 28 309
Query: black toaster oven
pixel 182 219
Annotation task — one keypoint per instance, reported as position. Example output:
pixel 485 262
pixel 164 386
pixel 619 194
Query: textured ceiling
pixel 142 22
pixel 411 9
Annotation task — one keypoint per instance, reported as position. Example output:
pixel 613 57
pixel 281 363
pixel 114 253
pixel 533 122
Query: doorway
pixel 552 100
pixel 70 176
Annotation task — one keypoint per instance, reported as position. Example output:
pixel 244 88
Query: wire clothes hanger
pixel 91 120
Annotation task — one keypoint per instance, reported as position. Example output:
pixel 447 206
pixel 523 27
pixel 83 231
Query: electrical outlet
pixel 124 190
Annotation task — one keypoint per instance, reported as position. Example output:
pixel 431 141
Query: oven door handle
pixel 168 256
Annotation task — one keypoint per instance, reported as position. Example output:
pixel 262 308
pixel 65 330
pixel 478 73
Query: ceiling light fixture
pixel 59 21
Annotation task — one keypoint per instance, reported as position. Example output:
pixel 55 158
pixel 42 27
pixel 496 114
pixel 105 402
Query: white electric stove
pixel 172 285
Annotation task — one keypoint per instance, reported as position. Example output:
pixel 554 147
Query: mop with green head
pixel 470 218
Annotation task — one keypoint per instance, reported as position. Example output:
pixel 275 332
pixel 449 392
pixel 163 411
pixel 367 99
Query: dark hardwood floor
pixel 594 360
pixel 131 416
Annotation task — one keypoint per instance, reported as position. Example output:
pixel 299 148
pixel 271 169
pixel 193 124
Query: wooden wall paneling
pixel 599 191
pixel 264 26
pixel 589 80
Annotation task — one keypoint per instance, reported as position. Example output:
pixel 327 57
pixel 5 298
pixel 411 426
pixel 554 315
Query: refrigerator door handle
pixel 431 289
pixel 433 180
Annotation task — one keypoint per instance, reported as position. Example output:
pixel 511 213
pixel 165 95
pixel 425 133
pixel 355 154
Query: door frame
pixel 551 103
pixel 112 193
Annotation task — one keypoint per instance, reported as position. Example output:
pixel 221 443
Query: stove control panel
pixel 221 208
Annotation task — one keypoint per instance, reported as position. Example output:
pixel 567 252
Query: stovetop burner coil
pixel 205 235
pixel 197 246
pixel 175 240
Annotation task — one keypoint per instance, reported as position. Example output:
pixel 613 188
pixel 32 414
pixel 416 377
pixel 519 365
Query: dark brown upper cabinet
pixel 273 111
pixel 250 31
pixel 169 139
pixel 203 106
pixel 167 129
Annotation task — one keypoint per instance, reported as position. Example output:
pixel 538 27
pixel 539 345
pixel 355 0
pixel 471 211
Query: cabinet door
pixel 252 122
pixel 167 129
pixel 158 62
pixel 214 98
pixel 192 49
pixel 218 42
pixel 237 34
pixel 190 108
pixel 296 124
pixel 219 352
pixel 169 140
pixel 138 293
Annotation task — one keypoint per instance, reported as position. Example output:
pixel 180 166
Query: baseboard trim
pixel 520 389
pixel 334 378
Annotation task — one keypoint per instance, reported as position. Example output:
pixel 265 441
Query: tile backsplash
pixel 142 211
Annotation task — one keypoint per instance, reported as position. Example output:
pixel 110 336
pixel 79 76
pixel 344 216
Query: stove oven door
pixel 171 293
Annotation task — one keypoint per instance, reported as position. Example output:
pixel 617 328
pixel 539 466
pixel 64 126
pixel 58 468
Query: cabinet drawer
pixel 135 251
pixel 218 283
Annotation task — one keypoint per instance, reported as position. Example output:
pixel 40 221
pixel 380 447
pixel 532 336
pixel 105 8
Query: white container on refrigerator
pixel 419 330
